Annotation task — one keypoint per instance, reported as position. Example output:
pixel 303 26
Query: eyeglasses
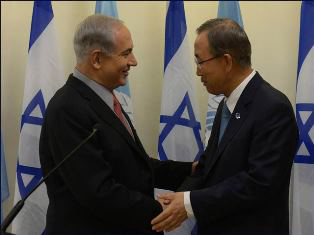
pixel 199 63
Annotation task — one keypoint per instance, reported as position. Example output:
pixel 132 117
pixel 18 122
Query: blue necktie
pixel 225 116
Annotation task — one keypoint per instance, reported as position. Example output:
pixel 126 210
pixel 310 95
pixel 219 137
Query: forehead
pixel 201 45
pixel 123 39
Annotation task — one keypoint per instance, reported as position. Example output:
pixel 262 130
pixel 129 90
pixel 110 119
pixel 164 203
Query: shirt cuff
pixel 187 204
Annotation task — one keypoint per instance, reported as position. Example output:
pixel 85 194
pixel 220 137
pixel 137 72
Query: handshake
pixel 174 212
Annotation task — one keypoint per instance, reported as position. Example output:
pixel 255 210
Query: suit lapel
pixel 104 112
pixel 237 119
pixel 136 138
pixel 214 136
pixel 216 124
pixel 138 141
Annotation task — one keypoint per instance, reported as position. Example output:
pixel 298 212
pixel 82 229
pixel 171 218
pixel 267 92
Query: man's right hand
pixel 163 202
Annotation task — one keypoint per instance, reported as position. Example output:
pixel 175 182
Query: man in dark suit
pixel 107 186
pixel 241 184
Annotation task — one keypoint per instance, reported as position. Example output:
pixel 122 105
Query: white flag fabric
pixel 44 75
pixel 303 168
pixel 231 10
pixel 179 137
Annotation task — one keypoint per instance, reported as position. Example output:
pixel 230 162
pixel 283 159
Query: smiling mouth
pixel 126 73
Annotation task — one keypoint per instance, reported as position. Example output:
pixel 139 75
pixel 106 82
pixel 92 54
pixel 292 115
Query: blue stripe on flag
pixel 4 178
pixel 175 29
pixel 305 84
pixel 42 15
pixel 306 31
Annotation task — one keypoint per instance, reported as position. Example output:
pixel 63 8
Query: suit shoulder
pixel 270 107
pixel 68 100
pixel 271 97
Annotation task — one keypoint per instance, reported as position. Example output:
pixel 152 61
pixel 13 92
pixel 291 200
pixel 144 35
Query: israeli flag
pixel 226 9
pixel 303 167
pixel 180 128
pixel 109 8
pixel 4 178
pixel 44 76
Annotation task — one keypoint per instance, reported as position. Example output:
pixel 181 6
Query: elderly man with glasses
pixel 241 184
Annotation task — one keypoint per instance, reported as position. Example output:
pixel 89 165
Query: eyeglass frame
pixel 199 63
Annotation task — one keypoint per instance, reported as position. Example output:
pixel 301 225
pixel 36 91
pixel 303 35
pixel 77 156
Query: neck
pixel 84 69
pixel 236 78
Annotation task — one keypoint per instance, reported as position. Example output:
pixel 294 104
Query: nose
pixel 198 71
pixel 132 60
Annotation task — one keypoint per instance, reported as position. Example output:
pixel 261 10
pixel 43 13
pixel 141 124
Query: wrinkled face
pixel 115 68
pixel 212 72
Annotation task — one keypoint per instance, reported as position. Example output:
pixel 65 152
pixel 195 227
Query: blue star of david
pixel 304 130
pixel 177 119
pixel 38 100
pixel 33 171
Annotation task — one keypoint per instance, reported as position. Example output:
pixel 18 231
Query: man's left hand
pixel 194 165
pixel 173 215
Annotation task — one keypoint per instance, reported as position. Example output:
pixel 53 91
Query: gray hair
pixel 96 31
pixel 225 36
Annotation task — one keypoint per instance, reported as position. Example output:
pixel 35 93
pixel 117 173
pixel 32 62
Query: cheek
pixel 121 68
pixel 212 84
pixel 210 79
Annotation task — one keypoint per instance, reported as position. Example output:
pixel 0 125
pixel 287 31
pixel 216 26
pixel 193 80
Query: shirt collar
pixel 100 90
pixel 236 93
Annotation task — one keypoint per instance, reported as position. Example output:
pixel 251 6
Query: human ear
pixel 228 62
pixel 95 59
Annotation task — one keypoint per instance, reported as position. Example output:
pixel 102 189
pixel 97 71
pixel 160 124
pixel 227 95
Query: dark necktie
pixel 225 116
pixel 117 109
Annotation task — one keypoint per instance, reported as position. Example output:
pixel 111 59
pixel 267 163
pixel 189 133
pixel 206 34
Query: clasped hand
pixel 173 214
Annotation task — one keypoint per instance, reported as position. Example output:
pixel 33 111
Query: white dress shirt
pixel 231 103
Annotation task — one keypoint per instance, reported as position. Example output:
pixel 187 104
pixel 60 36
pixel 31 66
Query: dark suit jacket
pixel 107 186
pixel 241 186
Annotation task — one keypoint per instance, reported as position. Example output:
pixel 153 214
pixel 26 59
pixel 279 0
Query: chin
pixel 122 82
pixel 211 91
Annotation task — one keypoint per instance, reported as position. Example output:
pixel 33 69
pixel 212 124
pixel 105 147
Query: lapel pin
pixel 237 115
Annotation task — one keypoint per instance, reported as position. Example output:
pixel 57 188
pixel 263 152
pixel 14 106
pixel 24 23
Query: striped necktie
pixel 117 109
